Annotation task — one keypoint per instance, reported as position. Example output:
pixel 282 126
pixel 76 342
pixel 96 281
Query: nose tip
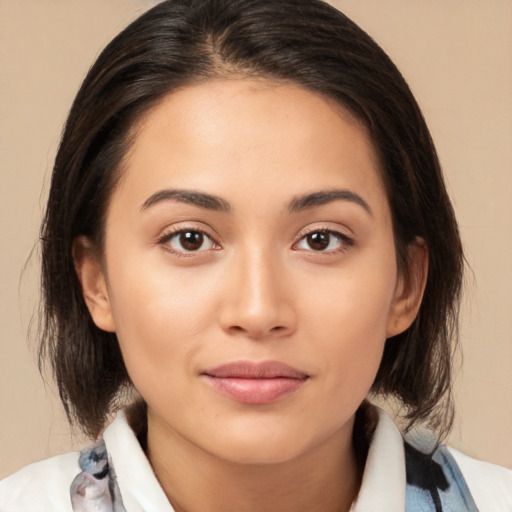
pixel 259 304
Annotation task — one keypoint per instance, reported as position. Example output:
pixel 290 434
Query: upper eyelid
pixel 324 227
pixel 170 231
pixel 334 232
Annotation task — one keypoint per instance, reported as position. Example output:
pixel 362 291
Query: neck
pixel 326 477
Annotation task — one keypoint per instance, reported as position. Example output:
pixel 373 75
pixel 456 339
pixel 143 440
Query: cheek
pixel 160 317
pixel 349 317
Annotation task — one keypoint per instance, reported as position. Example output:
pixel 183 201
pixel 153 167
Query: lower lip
pixel 255 391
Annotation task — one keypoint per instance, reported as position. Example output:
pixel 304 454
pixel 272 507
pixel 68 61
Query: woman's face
pixel 249 268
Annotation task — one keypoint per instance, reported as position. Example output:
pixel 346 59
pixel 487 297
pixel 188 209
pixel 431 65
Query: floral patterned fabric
pixel 95 489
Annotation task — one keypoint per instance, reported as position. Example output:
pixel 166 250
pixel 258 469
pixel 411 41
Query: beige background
pixel 456 55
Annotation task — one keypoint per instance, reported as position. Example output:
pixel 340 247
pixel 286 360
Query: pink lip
pixel 255 383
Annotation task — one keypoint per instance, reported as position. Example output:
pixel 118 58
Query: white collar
pixel 138 484
pixel 383 485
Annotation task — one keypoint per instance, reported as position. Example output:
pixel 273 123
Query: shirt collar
pixel 137 482
pixel 383 485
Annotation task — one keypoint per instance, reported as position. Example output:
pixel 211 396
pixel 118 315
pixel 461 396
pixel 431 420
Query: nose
pixel 258 302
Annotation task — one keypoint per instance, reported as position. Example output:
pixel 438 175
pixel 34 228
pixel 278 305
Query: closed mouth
pixel 255 383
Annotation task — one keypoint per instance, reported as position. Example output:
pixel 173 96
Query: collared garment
pixel 400 475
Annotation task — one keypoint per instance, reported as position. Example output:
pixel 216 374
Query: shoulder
pixel 41 486
pixel 490 485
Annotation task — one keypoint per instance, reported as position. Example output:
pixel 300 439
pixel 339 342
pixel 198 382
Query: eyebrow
pixel 328 196
pixel 207 201
pixel 215 203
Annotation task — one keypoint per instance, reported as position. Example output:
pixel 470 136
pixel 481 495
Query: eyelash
pixel 344 241
pixel 167 237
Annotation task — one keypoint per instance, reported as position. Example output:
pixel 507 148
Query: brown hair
pixel 305 42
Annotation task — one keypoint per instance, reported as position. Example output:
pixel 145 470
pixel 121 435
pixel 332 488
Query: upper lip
pixel 255 370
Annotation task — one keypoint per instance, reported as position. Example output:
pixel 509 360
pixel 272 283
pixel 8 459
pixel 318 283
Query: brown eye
pixel 324 241
pixel 191 240
pixel 318 241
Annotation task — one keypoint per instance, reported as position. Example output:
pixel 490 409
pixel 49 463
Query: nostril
pixel 240 329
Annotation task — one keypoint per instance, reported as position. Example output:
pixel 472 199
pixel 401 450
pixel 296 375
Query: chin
pixel 258 445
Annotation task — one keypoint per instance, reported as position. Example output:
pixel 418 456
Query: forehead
pixel 235 136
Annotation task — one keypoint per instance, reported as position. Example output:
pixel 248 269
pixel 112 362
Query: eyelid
pixel 347 241
pixel 172 231
pixel 326 227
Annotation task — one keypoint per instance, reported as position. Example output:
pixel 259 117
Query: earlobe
pixel 91 276
pixel 409 289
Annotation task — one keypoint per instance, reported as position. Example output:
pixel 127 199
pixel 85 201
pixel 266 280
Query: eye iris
pixel 191 240
pixel 318 241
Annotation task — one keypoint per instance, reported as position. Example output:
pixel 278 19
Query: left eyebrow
pixel 327 196
pixel 200 199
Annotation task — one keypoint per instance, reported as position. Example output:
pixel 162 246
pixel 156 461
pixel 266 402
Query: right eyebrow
pixel 207 201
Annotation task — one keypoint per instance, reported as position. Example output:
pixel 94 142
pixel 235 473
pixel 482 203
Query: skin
pixel 257 289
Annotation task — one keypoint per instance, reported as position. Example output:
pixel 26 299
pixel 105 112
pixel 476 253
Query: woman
pixel 248 227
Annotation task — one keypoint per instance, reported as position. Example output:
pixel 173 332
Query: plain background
pixel 457 57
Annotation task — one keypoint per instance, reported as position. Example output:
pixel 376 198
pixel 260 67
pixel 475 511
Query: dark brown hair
pixel 305 42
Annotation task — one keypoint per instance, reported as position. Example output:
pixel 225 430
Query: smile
pixel 255 383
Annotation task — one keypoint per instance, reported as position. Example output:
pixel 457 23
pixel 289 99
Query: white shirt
pixel 45 486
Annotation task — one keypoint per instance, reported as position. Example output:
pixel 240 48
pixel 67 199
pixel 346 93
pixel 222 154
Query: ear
pixel 88 267
pixel 409 289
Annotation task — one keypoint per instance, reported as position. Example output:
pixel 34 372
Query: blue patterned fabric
pixel 435 482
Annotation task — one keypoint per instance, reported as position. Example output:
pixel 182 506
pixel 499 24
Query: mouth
pixel 255 383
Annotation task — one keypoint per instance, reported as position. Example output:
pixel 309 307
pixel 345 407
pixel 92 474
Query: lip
pixel 255 383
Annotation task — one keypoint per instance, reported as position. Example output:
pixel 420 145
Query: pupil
pixel 191 240
pixel 318 241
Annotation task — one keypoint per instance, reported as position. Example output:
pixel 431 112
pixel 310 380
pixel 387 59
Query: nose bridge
pixel 259 304
pixel 260 272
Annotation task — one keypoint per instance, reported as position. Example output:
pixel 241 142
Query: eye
pixel 324 241
pixel 189 240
